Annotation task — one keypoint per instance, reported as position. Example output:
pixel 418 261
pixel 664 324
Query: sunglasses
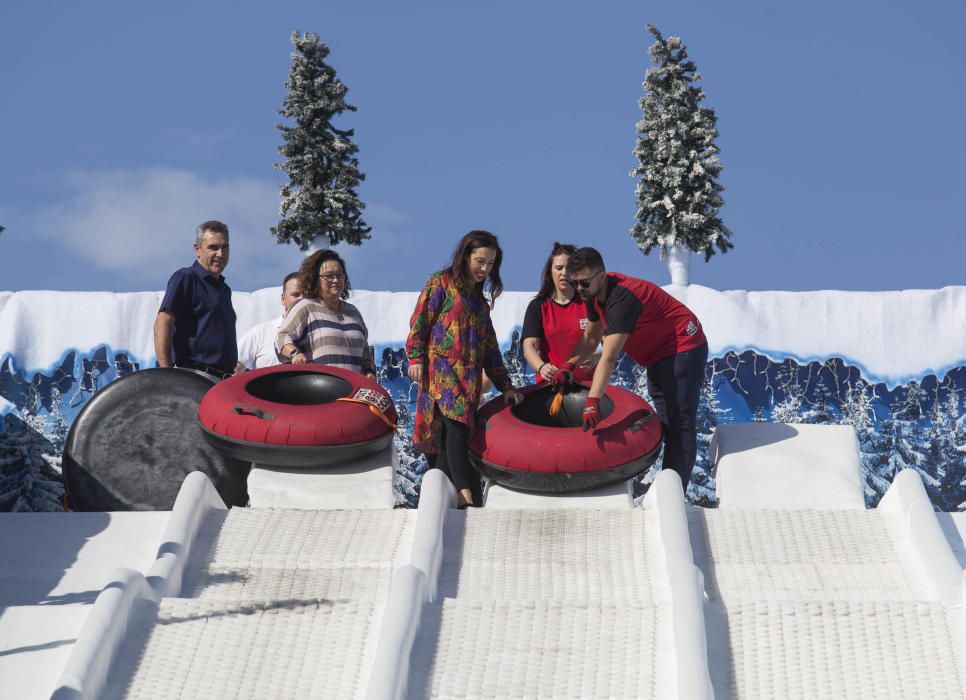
pixel 584 284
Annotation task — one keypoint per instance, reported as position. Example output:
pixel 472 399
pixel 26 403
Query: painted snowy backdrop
pixel 891 364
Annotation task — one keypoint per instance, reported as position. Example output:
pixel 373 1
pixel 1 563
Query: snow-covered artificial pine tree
pixel 678 194
pixel 788 408
pixel 519 372
pixel 899 444
pixel 29 466
pixel 412 465
pixel 946 450
pixel 857 411
pixel 711 414
pixel 319 201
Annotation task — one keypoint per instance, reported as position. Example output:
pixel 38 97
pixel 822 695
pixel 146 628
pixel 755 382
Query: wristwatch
pixel 295 352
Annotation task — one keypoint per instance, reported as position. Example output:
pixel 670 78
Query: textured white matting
pixel 292 538
pixel 799 554
pixel 577 554
pixel 616 495
pixel 536 649
pixel 547 603
pixel 839 649
pixel 818 604
pixel 332 582
pixel 272 649
pixel 287 603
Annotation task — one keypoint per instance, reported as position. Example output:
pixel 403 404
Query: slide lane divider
pixel 197 499
pixel 692 675
pixel 412 588
pixel 436 497
pixel 911 521
pixel 131 594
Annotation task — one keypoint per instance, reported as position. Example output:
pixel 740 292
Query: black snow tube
pixel 134 442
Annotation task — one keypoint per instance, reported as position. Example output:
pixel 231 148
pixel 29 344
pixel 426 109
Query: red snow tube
pixel 525 448
pixel 298 416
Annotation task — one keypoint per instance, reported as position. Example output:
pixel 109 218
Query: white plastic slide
pixel 583 598
pixel 564 601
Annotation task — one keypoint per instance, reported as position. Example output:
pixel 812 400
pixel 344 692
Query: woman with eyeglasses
pixel 555 320
pixel 451 342
pixel 323 327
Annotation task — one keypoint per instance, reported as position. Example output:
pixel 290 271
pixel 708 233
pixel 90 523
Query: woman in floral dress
pixel 451 342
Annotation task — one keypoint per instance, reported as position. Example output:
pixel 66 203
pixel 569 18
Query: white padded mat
pixel 273 649
pixel 334 582
pixel 544 649
pixel 839 649
pixel 292 538
pixel 796 555
pixel 575 554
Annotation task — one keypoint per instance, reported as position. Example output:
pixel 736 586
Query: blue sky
pixel 125 124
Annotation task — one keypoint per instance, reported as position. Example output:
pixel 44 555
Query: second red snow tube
pixel 298 416
pixel 525 448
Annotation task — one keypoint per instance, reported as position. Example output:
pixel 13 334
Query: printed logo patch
pixel 691 329
pixel 373 397
pixel 583 324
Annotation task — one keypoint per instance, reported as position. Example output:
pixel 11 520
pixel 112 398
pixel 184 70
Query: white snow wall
pixel 891 340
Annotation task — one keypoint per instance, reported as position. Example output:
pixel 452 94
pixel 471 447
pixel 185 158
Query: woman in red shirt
pixel 555 320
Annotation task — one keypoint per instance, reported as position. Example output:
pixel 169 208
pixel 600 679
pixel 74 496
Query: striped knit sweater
pixel 327 337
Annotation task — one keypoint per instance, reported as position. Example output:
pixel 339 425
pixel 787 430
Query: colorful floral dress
pixel 452 336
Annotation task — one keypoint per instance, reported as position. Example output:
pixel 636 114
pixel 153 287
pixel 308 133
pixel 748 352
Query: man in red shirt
pixel 659 332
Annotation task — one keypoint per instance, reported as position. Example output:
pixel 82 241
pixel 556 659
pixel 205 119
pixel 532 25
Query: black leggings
pixel 454 459
pixel 674 384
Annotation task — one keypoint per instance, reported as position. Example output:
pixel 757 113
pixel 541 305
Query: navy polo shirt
pixel 204 320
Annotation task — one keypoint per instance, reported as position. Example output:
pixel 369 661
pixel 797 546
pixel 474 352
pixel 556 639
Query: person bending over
pixel 656 331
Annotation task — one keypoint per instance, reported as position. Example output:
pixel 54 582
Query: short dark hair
pixel 290 276
pixel 459 267
pixel 585 258
pixel 546 278
pixel 213 226
pixel 309 274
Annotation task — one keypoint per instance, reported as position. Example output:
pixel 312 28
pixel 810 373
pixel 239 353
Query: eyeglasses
pixel 584 284
pixel 332 276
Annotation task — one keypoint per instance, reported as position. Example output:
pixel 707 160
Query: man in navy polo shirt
pixel 659 332
pixel 195 326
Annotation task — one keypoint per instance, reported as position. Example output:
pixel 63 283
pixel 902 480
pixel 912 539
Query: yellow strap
pixel 379 414
pixel 557 402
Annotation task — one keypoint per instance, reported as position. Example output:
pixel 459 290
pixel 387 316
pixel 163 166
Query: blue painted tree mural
pixel 919 425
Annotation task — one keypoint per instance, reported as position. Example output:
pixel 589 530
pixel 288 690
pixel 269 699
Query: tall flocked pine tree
pixel 319 200
pixel 678 194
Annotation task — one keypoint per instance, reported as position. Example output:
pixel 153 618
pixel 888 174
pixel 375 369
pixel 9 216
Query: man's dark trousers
pixel 674 384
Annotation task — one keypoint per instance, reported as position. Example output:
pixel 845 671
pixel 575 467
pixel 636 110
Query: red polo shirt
pixel 559 327
pixel 658 324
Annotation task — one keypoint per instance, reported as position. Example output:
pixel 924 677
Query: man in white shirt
pixel 257 347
